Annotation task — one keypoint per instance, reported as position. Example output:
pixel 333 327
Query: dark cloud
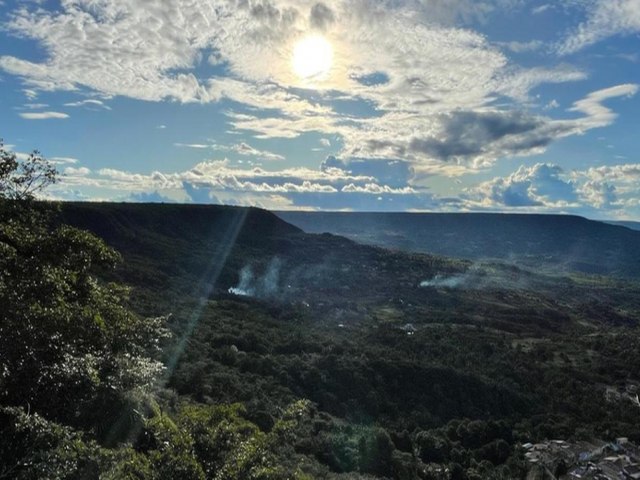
pixel 273 22
pixel 469 134
pixel 321 16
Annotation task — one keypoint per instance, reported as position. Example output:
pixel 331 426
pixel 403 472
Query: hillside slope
pixel 558 242
pixel 410 350
pixel 197 250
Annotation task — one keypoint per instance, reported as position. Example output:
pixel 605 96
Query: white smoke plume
pixel 499 276
pixel 440 281
pixel 264 286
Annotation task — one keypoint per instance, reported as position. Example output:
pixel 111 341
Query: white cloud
pixel 241 148
pixel 88 103
pixel 30 93
pixel 541 9
pixel 539 186
pixel 605 18
pixel 601 195
pixel 63 160
pixel 375 189
pixel 43 115
pixel 428 87
pixel 35 106
pixel 521 47
pixel 245 149
pixel 200 146
pixel 597 115
pixel 547 187
pixel 77 172
pixel 473 139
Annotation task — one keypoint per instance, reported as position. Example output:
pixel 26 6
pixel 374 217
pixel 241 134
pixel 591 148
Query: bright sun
pixel 312 57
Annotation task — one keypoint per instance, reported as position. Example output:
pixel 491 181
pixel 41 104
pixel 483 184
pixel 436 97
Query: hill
pixel 631 225
pixel 555 242
pixel 411 360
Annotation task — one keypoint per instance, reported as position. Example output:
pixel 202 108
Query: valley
pixel 409 344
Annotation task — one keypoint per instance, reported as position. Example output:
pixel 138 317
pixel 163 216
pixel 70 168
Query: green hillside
pixel 557 243
pixel 416 366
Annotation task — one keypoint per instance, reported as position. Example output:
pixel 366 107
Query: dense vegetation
pixel 558 243
pixel 337 364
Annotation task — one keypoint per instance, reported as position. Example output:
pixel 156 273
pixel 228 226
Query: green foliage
pixel 71 349
pixel 483 370
pixel 231 448
pixel 22 180
pixel 31 448
pixel 69 343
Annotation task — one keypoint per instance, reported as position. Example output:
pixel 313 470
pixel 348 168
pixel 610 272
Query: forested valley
pixel 142 341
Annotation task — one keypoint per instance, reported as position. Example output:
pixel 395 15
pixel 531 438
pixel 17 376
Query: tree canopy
pixel 79 369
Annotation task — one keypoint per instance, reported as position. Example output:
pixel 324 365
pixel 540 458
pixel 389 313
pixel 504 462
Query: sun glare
pixel 312 58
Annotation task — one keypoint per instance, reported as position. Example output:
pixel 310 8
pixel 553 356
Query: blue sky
pixel 397 105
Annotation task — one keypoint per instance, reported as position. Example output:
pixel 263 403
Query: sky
pixel 368 105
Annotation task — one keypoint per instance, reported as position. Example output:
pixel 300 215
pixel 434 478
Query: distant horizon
pixel 501 105
pixel 372 212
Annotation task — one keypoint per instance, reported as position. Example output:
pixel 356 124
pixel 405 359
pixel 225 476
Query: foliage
pixel 33 448
pixel 23 180
pixel 483 370
pixel 71 351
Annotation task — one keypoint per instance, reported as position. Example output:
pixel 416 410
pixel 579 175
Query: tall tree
pixel 70 349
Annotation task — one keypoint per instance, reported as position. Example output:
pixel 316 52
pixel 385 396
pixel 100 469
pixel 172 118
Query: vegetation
pixel 557 243
pixel 79 371
pixel 340 365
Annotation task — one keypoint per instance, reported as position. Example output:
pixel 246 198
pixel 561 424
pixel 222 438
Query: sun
pixel 312 58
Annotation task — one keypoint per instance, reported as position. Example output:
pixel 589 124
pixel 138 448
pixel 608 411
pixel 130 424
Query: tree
pixel 71 350
pixel 23 180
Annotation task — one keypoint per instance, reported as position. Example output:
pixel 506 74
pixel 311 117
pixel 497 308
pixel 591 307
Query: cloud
pixel 541 9
pixel 474 139
pixel 408 81
pixel 88 103
pixel 217 181
pixel 522 47
pixel 430 65
pixel 245 149
pixel 601 195
pixel 396 173
pixel 321 17
pixel 77 172
pixel 241 148
pixel 597 115
pixel 200 146
pixel 611 186
pixel 149 197
pixel 375 189
pixel 30 93
pixel 605 18
pixel 43 115
pixel 608 190
pixel 35 106
pixel 539 186
pixel 63 160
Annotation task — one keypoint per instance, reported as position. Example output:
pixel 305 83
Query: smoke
pixel 439 281
pixel 264 286
pixel 484 276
